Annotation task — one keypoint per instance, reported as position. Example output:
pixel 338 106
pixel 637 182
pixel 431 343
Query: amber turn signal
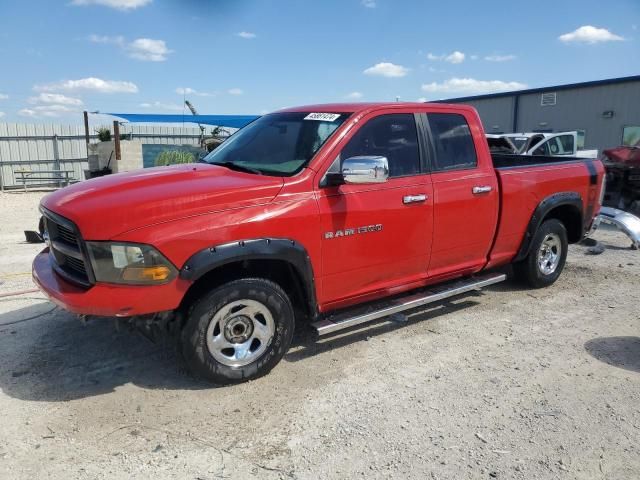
pixel 146 274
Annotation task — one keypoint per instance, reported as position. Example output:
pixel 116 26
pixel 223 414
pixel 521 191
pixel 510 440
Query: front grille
pixel 75 264
pixel 67 249
pixel 67 235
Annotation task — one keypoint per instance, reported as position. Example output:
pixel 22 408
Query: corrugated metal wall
pixel 578 108
pixel 582 109
pixel 496 113
pixel 40 147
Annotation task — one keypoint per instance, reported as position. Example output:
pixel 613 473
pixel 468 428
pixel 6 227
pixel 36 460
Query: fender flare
pixel 544 207
pixel 283 249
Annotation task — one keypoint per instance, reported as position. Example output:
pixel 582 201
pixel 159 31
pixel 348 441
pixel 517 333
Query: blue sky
pixel 58 58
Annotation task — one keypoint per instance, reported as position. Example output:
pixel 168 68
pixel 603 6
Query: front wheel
pixel 238 331
pixel 547 255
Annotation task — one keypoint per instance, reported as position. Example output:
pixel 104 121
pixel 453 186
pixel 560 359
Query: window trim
pixel 432 149
pixel 426 155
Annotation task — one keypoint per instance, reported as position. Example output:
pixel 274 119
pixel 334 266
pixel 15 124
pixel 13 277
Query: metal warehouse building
pixel 606 113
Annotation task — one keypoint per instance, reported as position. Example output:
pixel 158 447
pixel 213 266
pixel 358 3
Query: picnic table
pixel 59 176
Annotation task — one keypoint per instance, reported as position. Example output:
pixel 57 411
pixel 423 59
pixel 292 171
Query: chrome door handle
pixel 483 189
pixel 414 198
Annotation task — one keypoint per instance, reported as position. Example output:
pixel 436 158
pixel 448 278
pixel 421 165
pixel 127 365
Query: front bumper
pixel 103 299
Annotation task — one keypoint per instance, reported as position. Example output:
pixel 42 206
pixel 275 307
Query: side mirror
pixel 365 169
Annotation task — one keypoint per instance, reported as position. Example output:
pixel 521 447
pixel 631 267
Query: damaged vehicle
pixel 622 165
pixel 562 144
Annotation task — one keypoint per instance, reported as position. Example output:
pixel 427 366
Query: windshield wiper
pixel 237 167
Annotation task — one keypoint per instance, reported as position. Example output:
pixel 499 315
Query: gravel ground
pixel 507 383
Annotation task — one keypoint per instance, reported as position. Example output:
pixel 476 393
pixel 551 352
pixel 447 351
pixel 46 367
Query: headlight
pixel 129 263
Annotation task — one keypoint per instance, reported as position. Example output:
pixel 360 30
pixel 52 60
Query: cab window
pixel 393 136
pixel 452 142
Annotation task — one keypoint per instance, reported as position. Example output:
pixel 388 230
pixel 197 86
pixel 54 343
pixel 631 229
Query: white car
pixel 548 144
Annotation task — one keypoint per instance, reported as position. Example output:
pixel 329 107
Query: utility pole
pixel 86 130
pixel 116 138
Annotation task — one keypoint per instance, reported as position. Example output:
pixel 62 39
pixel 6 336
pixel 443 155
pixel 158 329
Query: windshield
pixel 277 144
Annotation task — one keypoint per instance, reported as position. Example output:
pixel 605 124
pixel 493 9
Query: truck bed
pixel 524 182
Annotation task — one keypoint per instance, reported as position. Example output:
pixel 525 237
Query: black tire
pixel 196 349
pixel 529 270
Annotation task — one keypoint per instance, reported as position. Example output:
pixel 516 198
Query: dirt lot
pixel 507 383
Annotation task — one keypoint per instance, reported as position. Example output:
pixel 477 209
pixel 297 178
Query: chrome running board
pixel 385 308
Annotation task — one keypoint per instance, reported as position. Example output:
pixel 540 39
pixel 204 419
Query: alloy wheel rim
pixel 549 254
pixel 240 332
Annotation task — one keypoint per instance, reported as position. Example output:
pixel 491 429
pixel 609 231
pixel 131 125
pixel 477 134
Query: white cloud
pixel 2 114
pixel 455 57
pixel 118 40
pixel 47 111
pixel 369 3
pixel 117 4
pixel 185 91
pixel 90 84
pixel 55 98
pixel 148 50
pixel 235 91
pixel 500 58
pixel 422 99
pixel 471 86
pixel 246 35
pixel 27 112
pixel 145 49
pixel 3 96
pixel 590 34
pixel 386 69
pixel 191 91
pixel 354 96
pixel 163 106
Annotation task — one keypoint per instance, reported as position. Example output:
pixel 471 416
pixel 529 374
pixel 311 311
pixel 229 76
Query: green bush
pixel 173 157
pixel 104 134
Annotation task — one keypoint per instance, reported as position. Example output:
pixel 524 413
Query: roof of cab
pixel 362 107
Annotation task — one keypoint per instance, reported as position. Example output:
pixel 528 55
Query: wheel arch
pixel 284 261
pixel 567 207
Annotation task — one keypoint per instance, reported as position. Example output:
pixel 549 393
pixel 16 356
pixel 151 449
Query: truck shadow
pixel 621 352
pixel 48 355
pixel 306 344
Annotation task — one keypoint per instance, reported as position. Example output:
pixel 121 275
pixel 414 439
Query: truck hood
pixel 108 206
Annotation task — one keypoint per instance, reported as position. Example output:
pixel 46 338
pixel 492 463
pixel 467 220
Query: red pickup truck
pixel 330 214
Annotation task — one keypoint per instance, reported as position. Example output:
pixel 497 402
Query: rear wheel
pixel 547 255
pixel 238 331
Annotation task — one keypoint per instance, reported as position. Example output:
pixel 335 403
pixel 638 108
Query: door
pixel 377 237
pixel 465 197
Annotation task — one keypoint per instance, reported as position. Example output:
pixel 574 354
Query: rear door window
pixel 452 142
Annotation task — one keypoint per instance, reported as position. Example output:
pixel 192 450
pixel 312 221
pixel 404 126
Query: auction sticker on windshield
pixel 323 117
